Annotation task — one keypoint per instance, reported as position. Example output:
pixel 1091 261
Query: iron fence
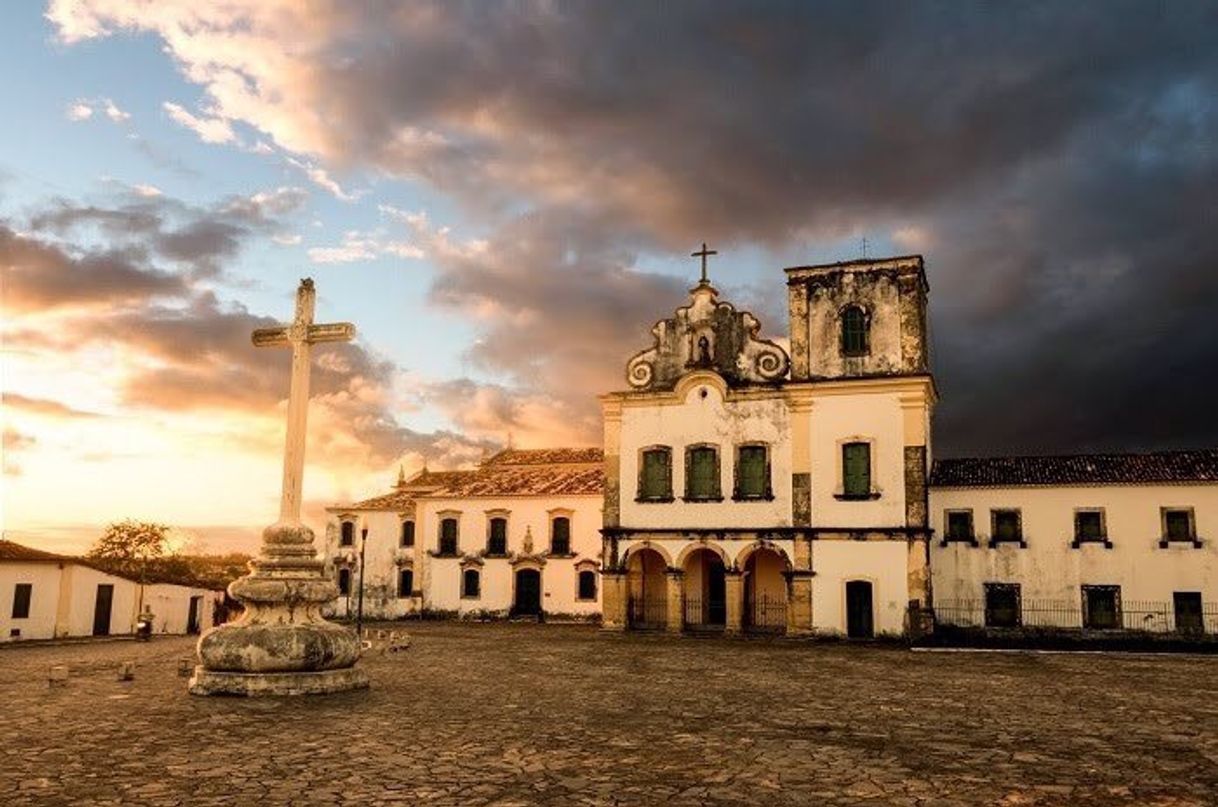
pixel 1132 615
pixel 647 613
pixel 766 614
pixel 700 613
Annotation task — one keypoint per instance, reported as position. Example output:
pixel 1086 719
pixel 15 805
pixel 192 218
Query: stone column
pixel 674 579
pixel 734 584
pixel 613 600
pixel 799 603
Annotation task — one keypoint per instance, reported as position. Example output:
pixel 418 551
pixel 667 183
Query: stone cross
pixel 301 335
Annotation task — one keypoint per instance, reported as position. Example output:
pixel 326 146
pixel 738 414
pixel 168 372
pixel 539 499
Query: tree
pixel 129 546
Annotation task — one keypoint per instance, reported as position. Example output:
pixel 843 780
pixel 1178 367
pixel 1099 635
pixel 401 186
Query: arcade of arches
pixel 703 590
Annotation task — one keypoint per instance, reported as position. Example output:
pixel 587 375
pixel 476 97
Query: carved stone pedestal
pixel 281 645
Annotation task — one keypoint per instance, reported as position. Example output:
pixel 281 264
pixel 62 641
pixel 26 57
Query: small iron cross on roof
pixel 703 253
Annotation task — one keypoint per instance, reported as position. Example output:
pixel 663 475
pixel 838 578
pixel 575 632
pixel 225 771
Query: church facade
pixel 752 489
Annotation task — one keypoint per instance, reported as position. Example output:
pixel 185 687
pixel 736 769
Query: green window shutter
pixel 657 474
pixel 753 474
pixel 703 474
pixel 856 469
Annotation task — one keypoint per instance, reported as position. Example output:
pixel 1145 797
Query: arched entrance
pixel 765 592
pixel 527 599
pixel 705 595
pixel 860 611
pixel 647 592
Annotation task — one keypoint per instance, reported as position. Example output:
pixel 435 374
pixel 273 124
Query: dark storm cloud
pixel 1058 158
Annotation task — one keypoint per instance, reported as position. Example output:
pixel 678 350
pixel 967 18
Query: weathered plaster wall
pixel 1050 569
pixel 858 416
pixel 836 563
pixel 84 582
pixel 891 292
pixel 171 607
pixel 705 415
pixel 44 599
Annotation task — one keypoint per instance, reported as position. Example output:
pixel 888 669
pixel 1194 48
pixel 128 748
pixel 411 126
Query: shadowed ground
pixel 525 714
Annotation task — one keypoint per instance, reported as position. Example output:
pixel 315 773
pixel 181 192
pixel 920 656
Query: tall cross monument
pixel 281 644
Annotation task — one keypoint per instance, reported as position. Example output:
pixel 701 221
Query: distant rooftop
pixel 18 552
pixel 896 261
pixel 1078 469
pixel 511 472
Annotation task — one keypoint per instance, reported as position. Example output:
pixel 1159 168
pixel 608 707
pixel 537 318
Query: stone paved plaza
pixel 524 714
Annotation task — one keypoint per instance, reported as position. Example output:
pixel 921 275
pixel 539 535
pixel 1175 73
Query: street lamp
pixel 359 614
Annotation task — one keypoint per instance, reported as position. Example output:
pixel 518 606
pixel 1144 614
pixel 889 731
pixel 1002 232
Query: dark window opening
pixel 347 537
pixel 587 586
pixel 1102 607
pixel 405 583
pixel 471 583
pixel 21 600
pixel 960 525
pixel 856 470
pixel 854 331
pixel 496 543
pixel 1178 525
pixel 560 536
pixel 344 582
pixel 1007 527
pixel 407 533
pixel 448 536
pixel 1002 605
pixel 655 482
pixel 752 473
pixel 1089 526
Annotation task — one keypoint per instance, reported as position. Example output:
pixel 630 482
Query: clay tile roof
pixel 420 484
pixel 525 480
pixel 1078 469
pixel 12 551
pixel 547 456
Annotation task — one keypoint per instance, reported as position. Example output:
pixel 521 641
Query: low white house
pixel 49 596
pixel 517 536
pixel 1099 541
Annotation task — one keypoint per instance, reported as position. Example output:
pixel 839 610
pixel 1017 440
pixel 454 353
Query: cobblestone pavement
pixel 510 714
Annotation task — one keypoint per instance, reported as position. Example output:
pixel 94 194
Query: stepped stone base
pixel 209 682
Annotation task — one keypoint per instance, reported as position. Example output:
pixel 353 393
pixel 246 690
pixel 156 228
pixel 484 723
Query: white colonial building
pixel 517 536
pixel 48 596
pixel 1101 541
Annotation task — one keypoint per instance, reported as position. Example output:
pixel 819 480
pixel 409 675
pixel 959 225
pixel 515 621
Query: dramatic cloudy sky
pixel 502 197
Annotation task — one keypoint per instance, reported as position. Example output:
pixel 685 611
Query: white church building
pixel 744 487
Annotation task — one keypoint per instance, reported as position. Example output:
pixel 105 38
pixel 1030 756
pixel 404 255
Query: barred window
pixel 960 525
pixel 1178 524
pixel 1089 525
pixel 1007 526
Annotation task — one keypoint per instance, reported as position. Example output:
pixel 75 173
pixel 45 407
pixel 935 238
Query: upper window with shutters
pixel 655 474
pixel 856 472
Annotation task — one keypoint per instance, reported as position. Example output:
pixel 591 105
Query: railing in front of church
pixel 765 614
pixel 1130 615
pixel 647 613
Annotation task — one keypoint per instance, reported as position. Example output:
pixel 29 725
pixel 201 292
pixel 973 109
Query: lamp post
pixel 359 613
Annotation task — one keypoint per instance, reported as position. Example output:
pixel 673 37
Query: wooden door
pixel 528 592
pixel 860 623
pixel 101 609
pixel 195 616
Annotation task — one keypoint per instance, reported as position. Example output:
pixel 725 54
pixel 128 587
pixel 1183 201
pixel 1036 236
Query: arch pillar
pixel 613 600
pixel 733 583
pixel 674 579
pixel 799 603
